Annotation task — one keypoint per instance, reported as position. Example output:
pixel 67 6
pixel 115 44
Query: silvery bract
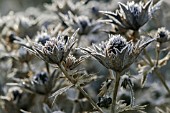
pixel 117 53
pixel 131 16
pixel 55 50
pixel 71 62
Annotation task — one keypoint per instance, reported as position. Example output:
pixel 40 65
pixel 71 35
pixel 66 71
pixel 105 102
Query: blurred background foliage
pixel 153 94
pixel 20 5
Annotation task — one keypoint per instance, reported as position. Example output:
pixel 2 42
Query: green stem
pixel 116 86
pixel 80 89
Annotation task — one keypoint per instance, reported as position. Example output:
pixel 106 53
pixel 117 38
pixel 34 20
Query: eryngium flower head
pixel 104 102
pixel 24 55
pixel 42 37
pixel 85 24
pixel 40 83
pixel 117 53
pixel 15 93
pixel 72 62
pixel 55 50
pixel 40 78
pixel 131 16
pixel 162 35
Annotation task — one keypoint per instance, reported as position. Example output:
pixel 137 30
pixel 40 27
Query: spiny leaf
pixel 145 72
pixel 159 110
pixel 86 78
pixel 105 86
pixel 131 108
pixel 59 92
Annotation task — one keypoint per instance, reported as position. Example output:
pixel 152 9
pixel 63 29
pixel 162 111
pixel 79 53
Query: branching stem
pixel 79 88
pixel 156 71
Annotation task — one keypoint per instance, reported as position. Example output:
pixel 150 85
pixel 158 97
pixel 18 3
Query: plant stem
pixel 66 74
pixel 116 86
pixel 131 94
pixel 161 79
pixel 80 89
pixel 47 67
pixel 156 71
pixel 136 36
pixel 148 57
pixel 157 54
pixel 111 76
pixel 29 66
pixel 90 99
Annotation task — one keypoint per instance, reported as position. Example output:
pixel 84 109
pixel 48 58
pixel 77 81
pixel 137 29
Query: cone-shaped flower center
pixel 162 35
pixel 42 38
pixel 41 77
pixel 115 43
pixel 135 10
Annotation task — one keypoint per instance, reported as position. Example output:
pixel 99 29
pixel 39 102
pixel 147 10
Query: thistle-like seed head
pixel 40 78
pixel 131 15
pixel 162 35
pixel 126 81
pixel 115 43
pixel 56 49
pixel 71 62
pixel 24 55
pixel 104 102
pixel 15 93
pixel 41 83
pixel 117 53
pixel 42 38
pixel 85 24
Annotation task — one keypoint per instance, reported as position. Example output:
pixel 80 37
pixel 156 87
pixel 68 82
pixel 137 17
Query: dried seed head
pixel 15 93
pixel 85 24
pixel 126 81
pixel 56 49
pixel 135 8
pixel 116 42
pixel 42 38
pixel 24 55
pixel 131 15
pixel 104 102
pixel 72 62
pixel 117 54
pixel 11 37
pixel 162 35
